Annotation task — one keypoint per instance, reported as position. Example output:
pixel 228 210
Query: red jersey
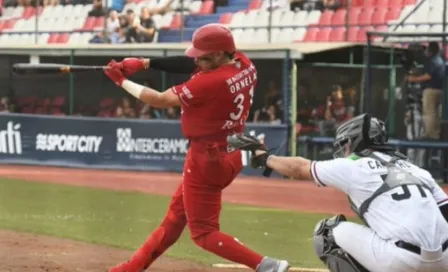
pixel 217 102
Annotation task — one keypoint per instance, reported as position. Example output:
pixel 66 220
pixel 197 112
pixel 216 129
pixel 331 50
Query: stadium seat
pixel 63 38
pixel 393 14
pixel 365 18
pixel 285 35
pixel 58 101
pixel 28 109
pixel 325 19
pixel 195 7
pixel 67 11
pixel 77 11
pixel 300 18
pixel 107 103
pixel 277 15
pixel 409 2
pixel 99 23
pixel 247 36
pixel 237 19
pixel 261 36
pixel 176 23
pixel 382 3
pixel 354 15
pixel 275 32
pixel 339 17
pixel 299 34
pixel 314 17
pixel 250 19
pixel 396 3
pixel 311 34
pixel 369 3
pixel 434 16
pixel 207 7
pixel 379 16
pixel 362 36
pixel 357 3
pixel 255 4
pixel 324 34
pixel 287 19
pixel 43 38
pixel 337 34
pixel 225 18
pixel 89 23
pixel 237 33
pixel 53 38
pixel 353 34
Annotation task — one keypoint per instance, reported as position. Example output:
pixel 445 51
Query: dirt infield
pixel 26 252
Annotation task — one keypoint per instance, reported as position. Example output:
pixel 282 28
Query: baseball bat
pixel 52 68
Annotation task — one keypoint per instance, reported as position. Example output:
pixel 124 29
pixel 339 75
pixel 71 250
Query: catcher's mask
pixel 359 133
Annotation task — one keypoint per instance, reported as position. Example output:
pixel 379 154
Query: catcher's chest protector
pixel 395 177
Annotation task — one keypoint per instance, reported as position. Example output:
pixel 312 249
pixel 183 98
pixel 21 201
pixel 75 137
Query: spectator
pixel 97 10
pixel 306 112
pixel 172 113
pixel 50 2
pixel 147 27
pixel 133 24
pixel 4 105
pixel 331 4
pixel 112 22
pixel 147 112
pixel 352 103
pixel 295 5
pixel 125 110
pixel 99 37
pixel 432 94
pixel 335 111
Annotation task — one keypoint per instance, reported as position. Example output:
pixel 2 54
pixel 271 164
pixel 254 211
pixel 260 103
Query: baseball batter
pixel 404 209
pixel 215 102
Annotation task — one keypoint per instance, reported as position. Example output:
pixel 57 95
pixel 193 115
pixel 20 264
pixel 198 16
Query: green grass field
pixel 124 219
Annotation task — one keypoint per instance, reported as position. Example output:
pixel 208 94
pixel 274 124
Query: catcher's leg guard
pixel 334 257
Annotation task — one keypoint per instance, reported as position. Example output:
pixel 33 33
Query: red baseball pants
pixel 197 203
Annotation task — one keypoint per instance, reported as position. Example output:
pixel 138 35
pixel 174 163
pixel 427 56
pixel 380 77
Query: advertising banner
pixel 128 144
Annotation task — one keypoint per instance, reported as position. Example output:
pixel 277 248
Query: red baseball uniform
pixel 215 104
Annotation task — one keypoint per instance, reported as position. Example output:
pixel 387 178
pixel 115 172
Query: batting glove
pixel 114 73
pixel 250 143
pixel 130 66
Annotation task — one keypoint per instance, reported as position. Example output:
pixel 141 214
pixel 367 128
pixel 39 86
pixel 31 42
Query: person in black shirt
pixel 147 27
pixel 97 10
pixel 434 72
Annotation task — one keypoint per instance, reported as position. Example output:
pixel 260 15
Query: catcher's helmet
pixel 211 38
pixel 360 132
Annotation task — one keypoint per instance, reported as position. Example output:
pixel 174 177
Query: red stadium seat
pixel 9 24
pixel 28 12
pixel 29 109
pixel 89 23
pixel 53 38
pixel 409 2
pixel 339 17
pixel 225 18
pixel 354 16
pixel 365 18
pixel 255 4
pixel 107 102
pixel 58 101
pixel 362 36
pixel 396 3
pixel 176 23
pixel 63 38
pixel 325 18
pixel 357 3
pixel 40 110
pixel 2 24
pixel 393 14
pixel 382 3
pixel 99 22
pixel 338 34
pixel 324 34
pixel 381 28
pixel 379 16
pixel 353 34
pixel 207 7
pixel 369 3
pixel 57 112
pixel 311 34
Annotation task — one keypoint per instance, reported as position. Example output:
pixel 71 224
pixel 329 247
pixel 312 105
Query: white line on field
pixel 239 266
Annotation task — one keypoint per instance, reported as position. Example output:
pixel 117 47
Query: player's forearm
pixel 147 95
pixel 296 167
pixel 174 64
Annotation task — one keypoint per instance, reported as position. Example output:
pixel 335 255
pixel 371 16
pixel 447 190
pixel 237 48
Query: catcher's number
pixel 239 102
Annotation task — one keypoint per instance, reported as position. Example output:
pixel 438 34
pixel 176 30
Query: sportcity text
pixel 10 139
pixel 68 143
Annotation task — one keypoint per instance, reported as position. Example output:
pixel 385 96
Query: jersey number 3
pixel 239 102
pixel 407 193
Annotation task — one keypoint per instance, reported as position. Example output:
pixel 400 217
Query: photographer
pixel 432 79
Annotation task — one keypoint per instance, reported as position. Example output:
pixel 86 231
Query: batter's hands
pixel 254 145
pixel 130 66
pixel 114 73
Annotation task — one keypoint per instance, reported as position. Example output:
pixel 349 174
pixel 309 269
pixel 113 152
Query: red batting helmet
pixel 211 38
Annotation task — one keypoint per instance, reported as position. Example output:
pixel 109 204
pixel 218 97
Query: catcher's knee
pixel 334 257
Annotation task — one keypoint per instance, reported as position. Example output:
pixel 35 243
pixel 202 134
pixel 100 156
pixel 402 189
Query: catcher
pixel 404 209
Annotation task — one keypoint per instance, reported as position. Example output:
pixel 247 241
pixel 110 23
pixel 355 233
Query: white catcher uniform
pixel 408 213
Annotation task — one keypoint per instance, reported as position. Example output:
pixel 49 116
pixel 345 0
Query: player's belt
pixel 416 249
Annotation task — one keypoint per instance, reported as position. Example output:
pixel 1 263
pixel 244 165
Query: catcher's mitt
pixel 252 144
